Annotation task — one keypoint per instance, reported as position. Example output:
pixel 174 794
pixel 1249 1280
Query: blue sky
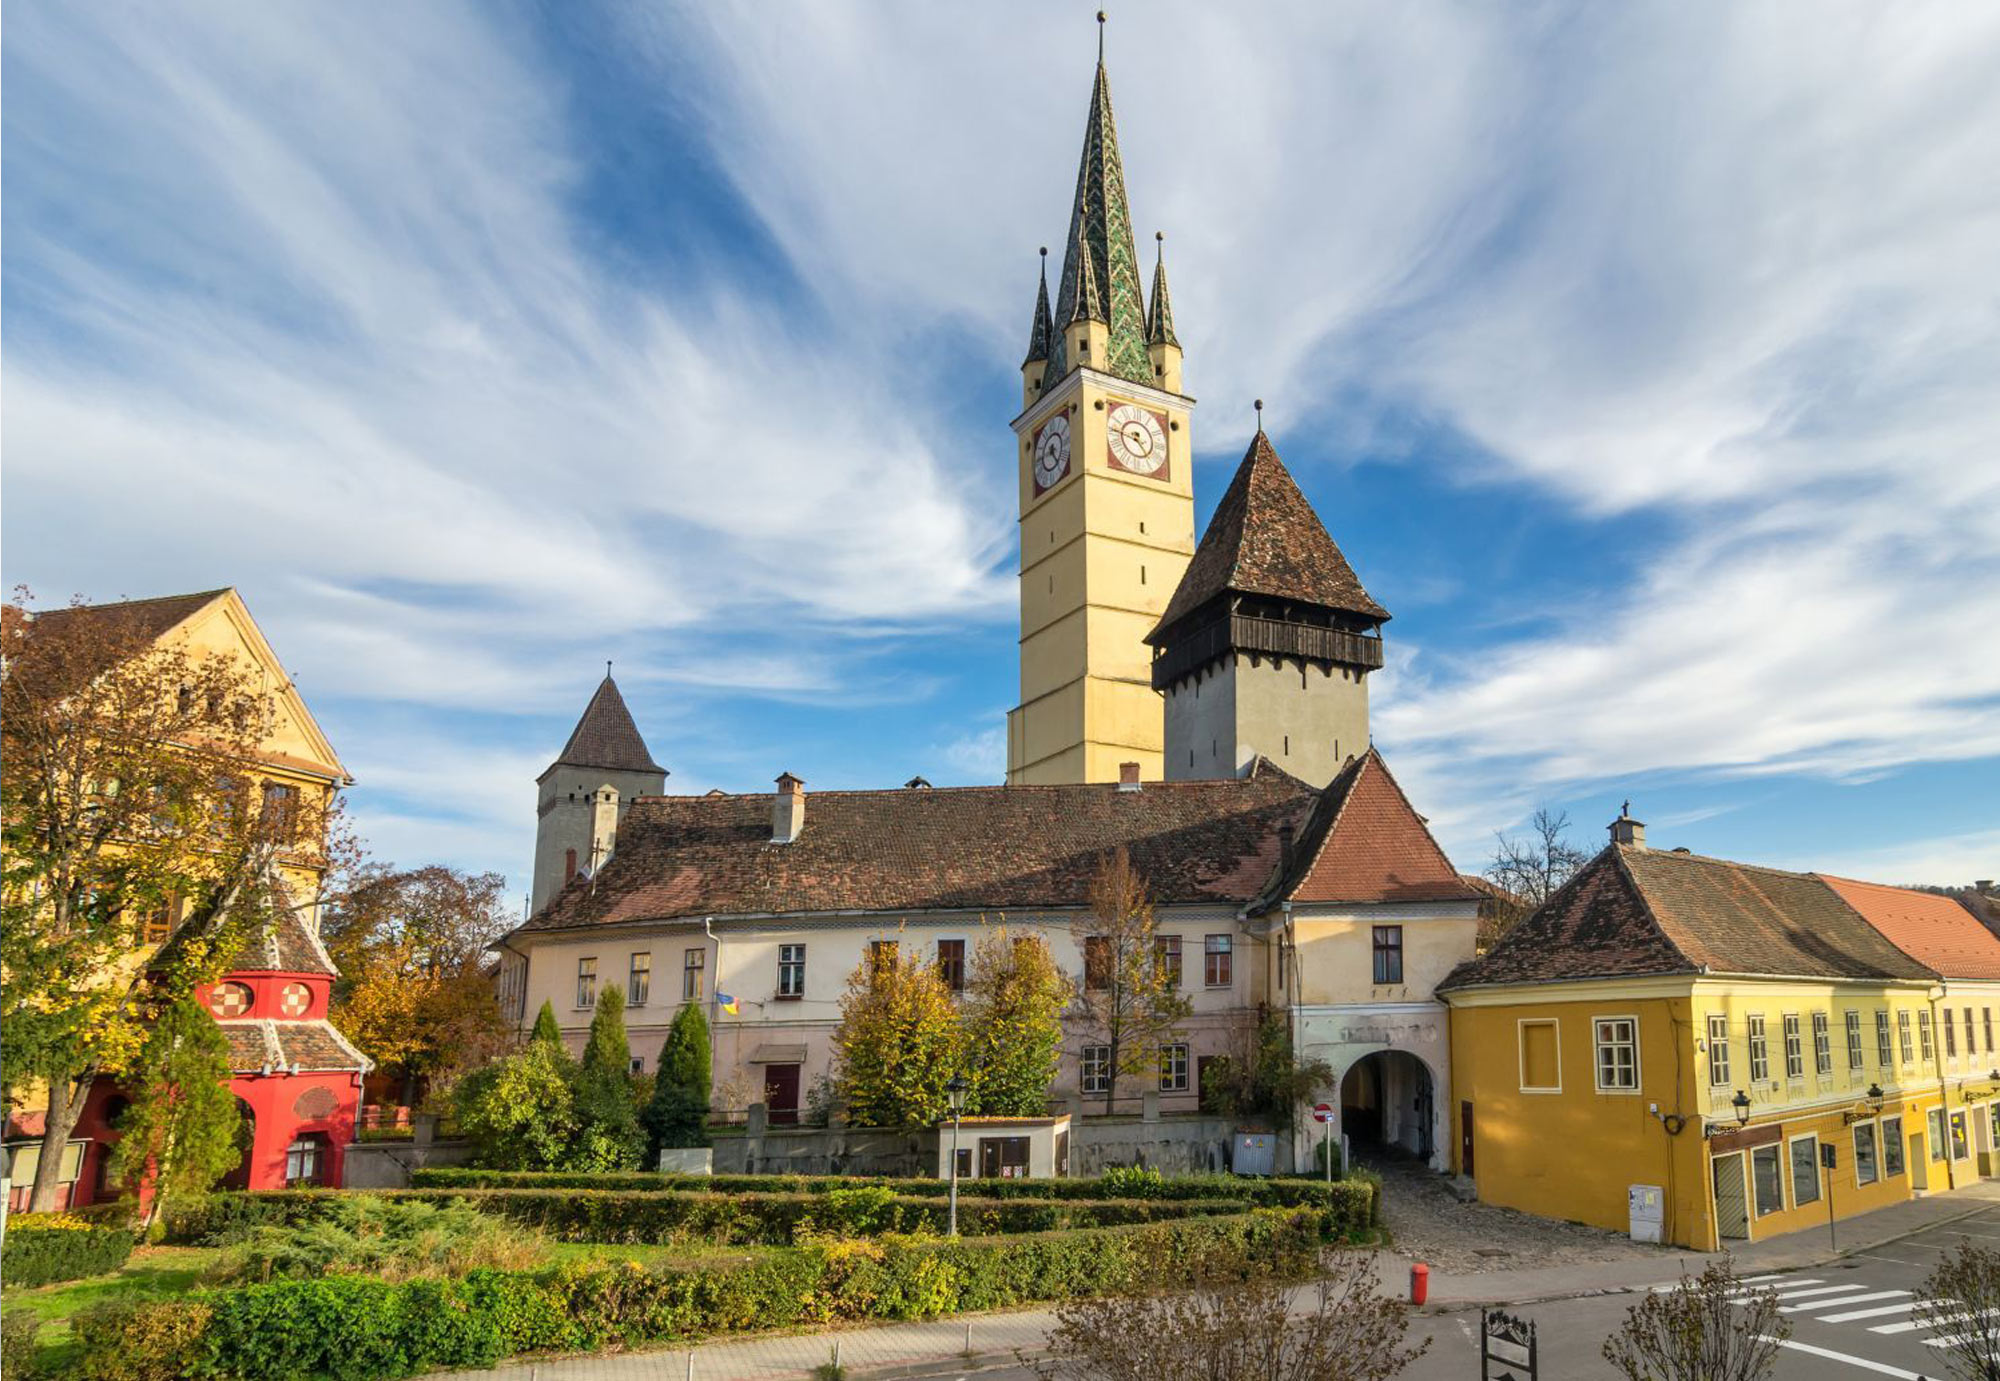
pixel 1640 357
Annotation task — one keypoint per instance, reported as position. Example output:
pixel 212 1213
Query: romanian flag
pixel 726 1003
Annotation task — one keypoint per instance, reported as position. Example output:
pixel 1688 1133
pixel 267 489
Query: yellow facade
pixel 1102 550
pixel 1570 1094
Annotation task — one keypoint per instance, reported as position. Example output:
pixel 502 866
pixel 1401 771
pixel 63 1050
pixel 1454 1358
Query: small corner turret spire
pixel 1160 315
pixel 1043 328
pixel 1086 305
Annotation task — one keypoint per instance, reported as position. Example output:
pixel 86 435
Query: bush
pixel 46 1247
pixel 366 1234
pixel 352 1326
pixel 17 1343
pixel 1132 1182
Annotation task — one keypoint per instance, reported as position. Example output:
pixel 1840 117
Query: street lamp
pixel 1741 1102
pixel 954 1091
pixel 1873 1104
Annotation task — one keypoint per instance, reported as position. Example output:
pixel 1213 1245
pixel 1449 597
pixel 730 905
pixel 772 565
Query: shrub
pixel 520 1112
pixel 390 1238
pixel 140 1340
pixel 46 1247
pixel 1132 1182
pixel 677 1114
pixel 17 1343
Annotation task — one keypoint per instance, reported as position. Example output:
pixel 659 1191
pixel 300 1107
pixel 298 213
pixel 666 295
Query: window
pixel 1864 1154
pixel 1096 963
pixel 951 964
pixel 638 1064
pixel 1541 1058
pixel 1388 954
pixel 1892 1146
pixel 281 811
pixel 1936 1125
pixel 1924 1034
pixel 694 974
pixel 1765 1173
pixel 586 982
pixel 1718 1052
pixel 1167 959
pixel 1795 1055
pixel 306 1160
pixel 1217 954
pixel 1970 1049
pixel 157 923
pixel 883 954
pixel 1822 1045
pixel 1094 1069
pixel 1852 1020
pixel 1760 1053
pixel 1960 1146
pixel 1950 1035
pixel 1617 1053
pixel 1986 1020
pixel 1882 1053
pixel 791 972
pixel 1903 1036
pixel 639 983
pixel 1173 1069
pixel 1805 1170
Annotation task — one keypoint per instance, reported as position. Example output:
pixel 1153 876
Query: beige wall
pixel 1337 954
pixel 1307 720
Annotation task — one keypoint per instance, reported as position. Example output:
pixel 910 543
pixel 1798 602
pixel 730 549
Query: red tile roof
pixel 1364 842
pixel 606 736
pixel 259 1045
pixel 1934 930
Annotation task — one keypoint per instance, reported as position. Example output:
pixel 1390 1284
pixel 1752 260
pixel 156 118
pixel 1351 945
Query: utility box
pixel 1647 1206
pixel 1253 1153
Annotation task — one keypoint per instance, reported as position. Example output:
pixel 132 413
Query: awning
pixel 779 1055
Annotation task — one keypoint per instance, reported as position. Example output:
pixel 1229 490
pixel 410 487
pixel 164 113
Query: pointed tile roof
pixel 1042 332
pixel 606 736
pixel 1364 842
pixel 1100 238
pixel 1160 315
pixel 1082 295
pixel 1265 539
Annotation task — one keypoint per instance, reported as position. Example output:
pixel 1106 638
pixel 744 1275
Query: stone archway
pixel 1388 1106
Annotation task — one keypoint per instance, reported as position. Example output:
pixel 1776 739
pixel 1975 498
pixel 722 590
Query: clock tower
pixel 1106 471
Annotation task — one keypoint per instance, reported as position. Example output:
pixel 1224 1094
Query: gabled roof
pixel 1265 539
pixel 146 619
pixel 257 1044
pixel 606 736
pixel 1634 912
pixel 286 945
pixel 1932 929
pixel 1100 235
pixel 1365 843
pixel 991 848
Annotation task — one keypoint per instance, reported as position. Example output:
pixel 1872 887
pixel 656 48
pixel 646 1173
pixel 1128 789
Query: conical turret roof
pixel 606 736
pixel 1043 330
pixel 1100 238
pixel 1160 315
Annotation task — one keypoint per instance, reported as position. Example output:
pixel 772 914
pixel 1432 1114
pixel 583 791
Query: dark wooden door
pixel 781 1094
pixel 1465 1139
pixel 1003 1157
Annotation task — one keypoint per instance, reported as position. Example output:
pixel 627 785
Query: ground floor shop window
pixel 1892 1146
pixel 1864 1153
pixel 1805 1170
pixel 1765 1173
pixel 1961 1146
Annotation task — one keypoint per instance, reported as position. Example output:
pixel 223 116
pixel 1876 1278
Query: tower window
pixel 1288 745
pixel 1142 575
pixel 1142 526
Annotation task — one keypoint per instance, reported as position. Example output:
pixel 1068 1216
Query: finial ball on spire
pixel 1100 16
pixel 1045 251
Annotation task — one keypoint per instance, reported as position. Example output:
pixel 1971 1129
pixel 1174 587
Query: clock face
pixel 1138 440
pixel 1051 452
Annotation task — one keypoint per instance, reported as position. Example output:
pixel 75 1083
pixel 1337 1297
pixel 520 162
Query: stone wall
pixel 387 1164
pixel 1172 1145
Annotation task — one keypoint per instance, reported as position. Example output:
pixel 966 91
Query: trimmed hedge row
pixel 43 1248
pixel 1265 1193
pixel 357 1326
pixel 733 1220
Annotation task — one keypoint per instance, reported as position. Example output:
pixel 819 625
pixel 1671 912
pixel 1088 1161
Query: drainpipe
pixel 1292 989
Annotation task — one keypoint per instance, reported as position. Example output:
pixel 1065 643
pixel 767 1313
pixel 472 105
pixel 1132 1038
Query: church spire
pixel 1160 316
pixel 1099 257
pixel 1043 330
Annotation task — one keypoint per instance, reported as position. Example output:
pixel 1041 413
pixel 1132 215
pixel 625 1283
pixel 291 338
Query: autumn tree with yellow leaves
pixel 1015 994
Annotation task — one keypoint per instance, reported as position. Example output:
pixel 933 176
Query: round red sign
pixel 1322 1112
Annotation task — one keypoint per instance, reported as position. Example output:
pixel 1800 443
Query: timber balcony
pixel 1265 637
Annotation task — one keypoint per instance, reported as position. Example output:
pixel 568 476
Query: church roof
pixel 1265 539
pixel 1043 329
pixel 606 736
pixel 286 945
pixel 257 1044
pixel 1100 244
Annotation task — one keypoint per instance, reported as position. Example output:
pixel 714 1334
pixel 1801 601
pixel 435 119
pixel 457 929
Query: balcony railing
pixel 1268 637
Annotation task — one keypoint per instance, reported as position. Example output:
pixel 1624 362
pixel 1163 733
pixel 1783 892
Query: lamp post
pixel 954 1092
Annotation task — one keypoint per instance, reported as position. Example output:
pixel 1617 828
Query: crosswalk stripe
pixel 1765 1289
pixel 1882 1312
pixel 1822 1290
pixel 1846 1300
pixel 1865 1363
pixel 1912 1325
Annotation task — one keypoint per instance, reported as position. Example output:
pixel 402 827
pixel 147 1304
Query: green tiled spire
pixel 1160 316
pixel 1043 331
pixel 1100 252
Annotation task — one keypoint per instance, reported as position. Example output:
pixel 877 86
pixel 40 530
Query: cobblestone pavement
pixel 1428 1223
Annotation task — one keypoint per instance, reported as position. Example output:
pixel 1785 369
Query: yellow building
pixel 1105 459
pixel 1690 1038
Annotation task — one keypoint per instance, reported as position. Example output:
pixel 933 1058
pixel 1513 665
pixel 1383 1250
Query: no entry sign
pixel 1322 1112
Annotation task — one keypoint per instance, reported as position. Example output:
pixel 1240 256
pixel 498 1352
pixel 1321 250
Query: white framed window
pixel 586 982
pixel 791 972
pixel 1767 1177
pixel 639 982
pixel 694 974
pixel 1760 1050
pixel 1094 1069
pixel 1892 1146
pixel 1903 1037
pixel 1718 1051
pixel 1864 1153
pixel 1822 1045
pixel 1924 1035
pixel 1805 1169
pixel 1173 1068
pixel 1852 1020
pixel 1617 1040
pixel 1883 1057
pixel 1541 1055
pixel 1795 1052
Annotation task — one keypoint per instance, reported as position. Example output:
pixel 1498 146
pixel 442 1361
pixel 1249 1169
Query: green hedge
pixel 354 1326
pixel 595 1215
pixel 44 1248
pixel 1269 1193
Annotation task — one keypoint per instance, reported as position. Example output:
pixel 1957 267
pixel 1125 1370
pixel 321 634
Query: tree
pixel 180 1134
pixel 899 1041
pixel 1529 869
pixel 1129 1002
pixel 677 1116
pixel 1269 1081
pixel 1015 994
pixel 519 1112
pixel 1707 1328
pixel 126 777
pixel 1243 1327
pixel 1961 1300
pixel 608 1135
pixel 411 946
pixel 546 1031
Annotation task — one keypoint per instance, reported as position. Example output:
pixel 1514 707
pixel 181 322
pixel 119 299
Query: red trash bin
pixel 1420 1283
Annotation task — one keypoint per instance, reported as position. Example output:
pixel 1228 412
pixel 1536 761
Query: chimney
pixel 1626 830
pixel 603 826
pixel 788 810
pixel 1128 776
pixel 1983 885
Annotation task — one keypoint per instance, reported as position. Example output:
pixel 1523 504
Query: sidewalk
pixel 941 1346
